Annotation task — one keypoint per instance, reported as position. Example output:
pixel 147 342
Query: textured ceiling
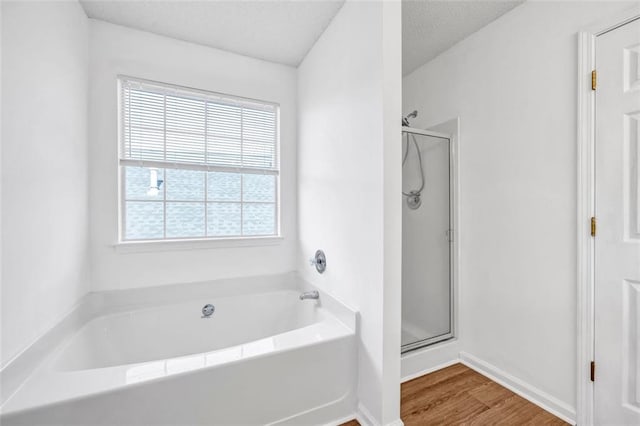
pixel 283 31
pixel 430 27
pixel 276 31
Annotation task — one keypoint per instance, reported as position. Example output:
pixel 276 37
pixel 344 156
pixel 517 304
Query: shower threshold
pixel 425 342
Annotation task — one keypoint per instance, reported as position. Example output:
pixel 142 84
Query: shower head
pixel 405 120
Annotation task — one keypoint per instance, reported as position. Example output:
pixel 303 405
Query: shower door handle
pixel 449 233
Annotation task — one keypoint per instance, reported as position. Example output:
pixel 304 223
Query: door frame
pixel 586 208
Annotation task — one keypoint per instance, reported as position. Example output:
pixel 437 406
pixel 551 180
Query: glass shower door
pixel 426 235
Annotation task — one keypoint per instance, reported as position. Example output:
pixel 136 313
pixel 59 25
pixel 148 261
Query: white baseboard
pixel 429 370
pixel 364 417
pixel 525 390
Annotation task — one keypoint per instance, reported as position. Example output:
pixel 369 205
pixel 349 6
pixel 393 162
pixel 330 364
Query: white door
pixel 617 242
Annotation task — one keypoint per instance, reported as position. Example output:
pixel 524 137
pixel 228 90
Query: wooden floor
pixel 458 395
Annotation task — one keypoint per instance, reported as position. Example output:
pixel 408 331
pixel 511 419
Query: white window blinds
pixel 201 130
pixel 196 164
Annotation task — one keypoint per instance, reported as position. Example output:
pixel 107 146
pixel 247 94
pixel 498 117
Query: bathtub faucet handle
pixel 319 261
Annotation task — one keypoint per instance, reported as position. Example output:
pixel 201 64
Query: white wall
pixel 44 167
pixel 513 84
pixel 119 50
pixel 348 88
pixel 1 345
pixel 392 211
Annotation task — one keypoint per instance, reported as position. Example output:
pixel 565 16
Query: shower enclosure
pixel 427 238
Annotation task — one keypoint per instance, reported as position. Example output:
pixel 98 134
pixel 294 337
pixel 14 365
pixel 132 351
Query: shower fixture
pixel 405 120
pixel 414 199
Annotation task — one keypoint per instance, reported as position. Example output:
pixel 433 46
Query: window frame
pixel 187 242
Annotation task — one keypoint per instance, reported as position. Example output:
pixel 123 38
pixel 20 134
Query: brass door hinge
pixel 593 226
pixel 594 79
pixel 593 371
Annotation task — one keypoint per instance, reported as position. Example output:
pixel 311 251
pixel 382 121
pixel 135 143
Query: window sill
pixel 195 244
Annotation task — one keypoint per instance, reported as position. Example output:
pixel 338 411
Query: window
pixel 196 164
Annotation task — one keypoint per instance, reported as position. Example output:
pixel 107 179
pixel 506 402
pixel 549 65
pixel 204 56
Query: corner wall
pixel 349 185
pixel 44 167
pixel 513 85
pixel 119 50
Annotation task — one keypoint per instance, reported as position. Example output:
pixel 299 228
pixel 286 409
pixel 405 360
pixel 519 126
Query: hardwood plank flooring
pixel 458 395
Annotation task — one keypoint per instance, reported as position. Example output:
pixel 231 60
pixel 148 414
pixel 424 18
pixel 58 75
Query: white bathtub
pixel 263 357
